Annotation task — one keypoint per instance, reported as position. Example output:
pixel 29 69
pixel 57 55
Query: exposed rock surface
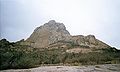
pixel 49 33
pixel 54 32
pixel 89 41
pixel 94 68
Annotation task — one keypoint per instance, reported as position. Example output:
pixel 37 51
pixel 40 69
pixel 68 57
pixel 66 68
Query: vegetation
pixel 14 55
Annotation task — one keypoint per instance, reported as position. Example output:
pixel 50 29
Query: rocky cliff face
pixel 49 33
pixel 89 41
pixel 54 32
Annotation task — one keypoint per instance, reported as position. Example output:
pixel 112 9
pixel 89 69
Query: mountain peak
pixel 52 22
pixel 53 32
pixel 53 25
pixel 49 33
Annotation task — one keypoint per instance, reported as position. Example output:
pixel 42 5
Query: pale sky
pixel 19 18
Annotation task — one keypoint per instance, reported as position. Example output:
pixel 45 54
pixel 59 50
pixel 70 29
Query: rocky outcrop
pixel 49 33
pixel 89 41
pixel 54 32
pixel 89 68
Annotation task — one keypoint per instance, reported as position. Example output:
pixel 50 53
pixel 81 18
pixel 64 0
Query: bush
pixel 14 55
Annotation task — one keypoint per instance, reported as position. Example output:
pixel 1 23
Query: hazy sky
pixel 18 18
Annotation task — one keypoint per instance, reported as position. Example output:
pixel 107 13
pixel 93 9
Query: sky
pixel 19 18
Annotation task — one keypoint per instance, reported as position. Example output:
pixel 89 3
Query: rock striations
pixel 54 32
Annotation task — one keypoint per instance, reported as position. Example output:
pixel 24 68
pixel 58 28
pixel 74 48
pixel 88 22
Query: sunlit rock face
pixel 53 32
pixel 89 41
pixel 49 33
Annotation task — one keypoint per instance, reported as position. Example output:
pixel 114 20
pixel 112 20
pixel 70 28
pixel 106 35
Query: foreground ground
pixel 95 68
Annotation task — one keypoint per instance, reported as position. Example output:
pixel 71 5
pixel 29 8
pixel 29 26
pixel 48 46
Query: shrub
pixel 14 55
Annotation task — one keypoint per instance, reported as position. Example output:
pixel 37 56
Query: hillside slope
pixel 54 33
